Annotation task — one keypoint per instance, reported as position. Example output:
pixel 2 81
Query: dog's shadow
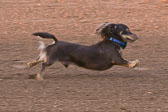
pixel 92 76
pixel 111 75
pixel 32 76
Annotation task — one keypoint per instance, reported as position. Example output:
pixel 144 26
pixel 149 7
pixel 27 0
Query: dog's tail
pixel 45 35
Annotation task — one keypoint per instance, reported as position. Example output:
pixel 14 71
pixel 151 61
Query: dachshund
pixel 100 56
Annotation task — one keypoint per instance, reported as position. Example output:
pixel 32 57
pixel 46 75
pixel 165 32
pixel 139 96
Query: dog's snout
pixel 130 38
pixel 135 37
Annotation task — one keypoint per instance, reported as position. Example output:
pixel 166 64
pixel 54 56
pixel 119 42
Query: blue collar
pixel 122 44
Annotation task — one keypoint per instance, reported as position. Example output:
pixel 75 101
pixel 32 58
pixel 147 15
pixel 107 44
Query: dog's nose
pixel 137 36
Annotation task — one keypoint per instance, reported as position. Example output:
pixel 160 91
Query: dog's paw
pixel 39 77
pixel 133 64
pixel 32 63
pixel 29 64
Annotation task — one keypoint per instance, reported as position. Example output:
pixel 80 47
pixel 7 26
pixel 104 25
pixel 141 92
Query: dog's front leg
pixel 122 62
pixel 118 60
pixel 132 64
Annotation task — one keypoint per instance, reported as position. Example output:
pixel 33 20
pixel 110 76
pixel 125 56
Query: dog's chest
pixel 120 51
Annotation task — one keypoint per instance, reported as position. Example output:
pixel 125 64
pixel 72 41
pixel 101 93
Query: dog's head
pixel 118 31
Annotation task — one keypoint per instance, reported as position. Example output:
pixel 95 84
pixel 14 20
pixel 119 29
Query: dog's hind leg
pixel 40 75
pixel 41 58
pixel 33 63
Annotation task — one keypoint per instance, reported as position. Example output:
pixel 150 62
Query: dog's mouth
pixel 129 38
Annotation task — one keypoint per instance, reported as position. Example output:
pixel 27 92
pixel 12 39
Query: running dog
pixel 100 56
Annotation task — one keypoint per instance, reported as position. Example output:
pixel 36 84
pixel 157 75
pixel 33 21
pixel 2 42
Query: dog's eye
pixel 127 30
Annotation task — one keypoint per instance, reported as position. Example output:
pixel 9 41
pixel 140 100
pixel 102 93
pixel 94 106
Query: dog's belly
pixel 99 67
pixel 92 66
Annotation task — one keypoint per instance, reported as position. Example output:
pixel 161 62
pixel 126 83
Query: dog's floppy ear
pixel 106 29
pixel 101 27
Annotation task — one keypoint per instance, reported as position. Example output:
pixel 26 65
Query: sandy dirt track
pixel 75 89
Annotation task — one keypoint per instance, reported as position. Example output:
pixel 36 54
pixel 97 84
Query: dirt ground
pixel 119 89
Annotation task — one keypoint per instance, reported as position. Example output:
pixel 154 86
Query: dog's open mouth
pixel 130 38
